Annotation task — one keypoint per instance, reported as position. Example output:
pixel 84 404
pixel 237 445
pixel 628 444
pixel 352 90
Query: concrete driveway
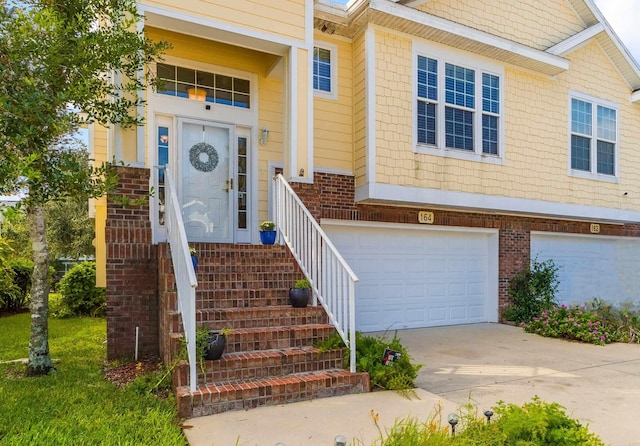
pixel 486 363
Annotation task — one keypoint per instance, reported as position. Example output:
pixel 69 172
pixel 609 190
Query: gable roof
pixel 348 19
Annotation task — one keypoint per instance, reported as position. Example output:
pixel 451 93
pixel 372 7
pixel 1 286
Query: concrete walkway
pixel 484 362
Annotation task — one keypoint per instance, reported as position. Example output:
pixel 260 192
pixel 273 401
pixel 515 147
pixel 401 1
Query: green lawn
pixel 76 406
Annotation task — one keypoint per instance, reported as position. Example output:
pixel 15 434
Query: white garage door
pixel 602 267
pixel 412 278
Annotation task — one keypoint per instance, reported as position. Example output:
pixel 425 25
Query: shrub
pixel 532 291
pixel 535 423
pixel 370 350
pixel 540 423
pixel 79 291
pixel 575 323
pixel 16 284
pixel 623 323
pixel 398 375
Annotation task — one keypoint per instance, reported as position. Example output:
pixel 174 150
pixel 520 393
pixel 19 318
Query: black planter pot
pixel 299 297
pixel 215 346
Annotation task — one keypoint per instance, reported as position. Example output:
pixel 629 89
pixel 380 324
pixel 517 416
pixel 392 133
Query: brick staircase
pixel 269 357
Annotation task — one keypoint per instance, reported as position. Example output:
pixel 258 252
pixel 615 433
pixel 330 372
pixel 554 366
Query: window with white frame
pixel 325 70
pixel 594 137
pixel 458 107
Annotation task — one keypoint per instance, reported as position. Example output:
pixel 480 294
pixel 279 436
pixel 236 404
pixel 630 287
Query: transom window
pixel 203 86
pixel 594 137
pixel 325 69
pixel 458 107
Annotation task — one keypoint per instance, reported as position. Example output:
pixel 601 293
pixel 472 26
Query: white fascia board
pixel 414 196
pixel 635 97
pixel 415 3
pixel 576 41
pixel 466 32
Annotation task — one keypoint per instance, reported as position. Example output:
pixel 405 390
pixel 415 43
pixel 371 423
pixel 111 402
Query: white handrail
pixel 332 280
pixel 185 275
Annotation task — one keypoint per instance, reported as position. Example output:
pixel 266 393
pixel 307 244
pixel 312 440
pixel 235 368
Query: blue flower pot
pixel 268 237
pixel 194 260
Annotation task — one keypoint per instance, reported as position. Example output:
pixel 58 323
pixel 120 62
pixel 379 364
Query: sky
pixel 622 15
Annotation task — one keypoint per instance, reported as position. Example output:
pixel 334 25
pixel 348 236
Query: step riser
pixel 261 317
pixel 239 396
pixel 245 367
pixel 277 338
pixel 239 369
pixel 250 318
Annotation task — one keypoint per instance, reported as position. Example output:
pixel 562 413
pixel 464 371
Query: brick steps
pixel 212 399
pixel 269 356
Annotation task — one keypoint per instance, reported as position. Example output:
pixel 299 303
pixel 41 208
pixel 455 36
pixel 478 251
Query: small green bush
pixel 397 375
pixel 536 423
pixel 532 291
pixel 79 292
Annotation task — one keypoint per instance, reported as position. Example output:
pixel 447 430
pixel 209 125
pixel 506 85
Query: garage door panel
pixel 416 278
pixel 589 267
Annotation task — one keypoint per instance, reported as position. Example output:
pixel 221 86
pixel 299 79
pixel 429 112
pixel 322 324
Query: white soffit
pixel 427 26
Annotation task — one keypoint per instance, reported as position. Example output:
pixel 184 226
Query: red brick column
pixel 132 269
pixel 514 252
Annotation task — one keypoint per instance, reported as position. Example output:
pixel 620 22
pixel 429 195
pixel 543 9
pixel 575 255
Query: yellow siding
pixel 282 18
pixel 536 23
pixel 333 118
pixel 271 106
pixel 216 53
pixel 536 138
pixel 360 112
pixel 100 155
pixel 393 106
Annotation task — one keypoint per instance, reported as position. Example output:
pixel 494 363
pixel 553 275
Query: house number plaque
pixel 425 217
pixel 595 228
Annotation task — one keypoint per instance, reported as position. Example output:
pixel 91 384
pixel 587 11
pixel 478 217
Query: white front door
pixel 207 153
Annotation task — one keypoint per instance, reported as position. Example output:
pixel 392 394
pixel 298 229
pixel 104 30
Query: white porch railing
pixel 332 281
pixel 183 271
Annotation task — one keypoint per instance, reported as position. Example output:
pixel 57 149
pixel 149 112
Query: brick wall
pixel 132 265
pixel 332 196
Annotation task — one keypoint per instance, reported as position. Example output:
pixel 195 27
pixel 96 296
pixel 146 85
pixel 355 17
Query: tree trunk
pixel 39 359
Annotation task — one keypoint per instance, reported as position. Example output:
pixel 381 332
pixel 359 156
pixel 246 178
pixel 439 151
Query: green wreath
pixel 212 157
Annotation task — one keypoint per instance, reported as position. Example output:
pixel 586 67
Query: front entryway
pixel 213 160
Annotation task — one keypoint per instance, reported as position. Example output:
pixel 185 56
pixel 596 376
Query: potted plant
pixel 268 232
pixel 299 294
pixel 194 257
pixel 215 343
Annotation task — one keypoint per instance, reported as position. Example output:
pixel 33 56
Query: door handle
pixel 229 185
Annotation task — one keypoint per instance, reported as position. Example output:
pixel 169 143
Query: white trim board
pixel 405 195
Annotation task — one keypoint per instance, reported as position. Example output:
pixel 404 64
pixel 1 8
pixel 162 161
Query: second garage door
pixel 591 266
pixel 413 277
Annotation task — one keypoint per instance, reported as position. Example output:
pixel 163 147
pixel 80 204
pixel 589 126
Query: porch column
pixel 300 116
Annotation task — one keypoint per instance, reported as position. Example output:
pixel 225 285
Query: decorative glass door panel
pixel 207 181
